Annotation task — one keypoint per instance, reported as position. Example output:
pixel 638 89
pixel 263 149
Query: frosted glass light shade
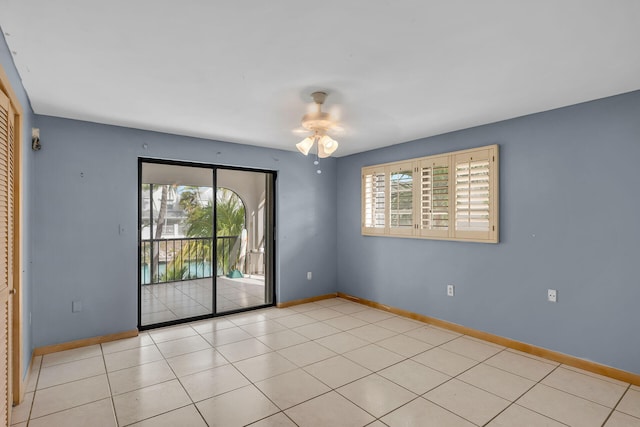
pixel 326 146
pixel 305 145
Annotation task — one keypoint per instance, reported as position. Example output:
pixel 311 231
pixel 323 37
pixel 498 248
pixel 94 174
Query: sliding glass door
pixel 206 241
pixel 243 237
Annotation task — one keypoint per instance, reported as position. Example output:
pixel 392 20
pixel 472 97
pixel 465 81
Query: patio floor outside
pixel 165 302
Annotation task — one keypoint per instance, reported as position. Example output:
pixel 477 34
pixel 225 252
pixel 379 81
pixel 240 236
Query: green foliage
pixel 230 211
pixel 174 272
pixel 199 222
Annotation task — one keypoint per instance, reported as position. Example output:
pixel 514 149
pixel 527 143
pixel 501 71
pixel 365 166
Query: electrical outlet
pixel 309 275
pixel 450 290
pixel 552 295
pixel 76 306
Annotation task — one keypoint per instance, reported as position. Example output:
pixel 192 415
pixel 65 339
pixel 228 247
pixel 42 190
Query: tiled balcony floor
pixel 328 363
pixel 179 300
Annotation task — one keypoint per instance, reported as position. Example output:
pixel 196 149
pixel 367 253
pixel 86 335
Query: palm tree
pixel 230 213
pixel 199 223
pixel 159 226
pixel 229 209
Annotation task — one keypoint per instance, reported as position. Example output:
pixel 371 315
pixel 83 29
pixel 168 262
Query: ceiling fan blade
pixel 337 129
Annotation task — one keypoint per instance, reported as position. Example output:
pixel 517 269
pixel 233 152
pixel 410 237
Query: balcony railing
pixel 174 260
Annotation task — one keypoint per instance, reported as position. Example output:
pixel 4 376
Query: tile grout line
pixel 616 405
pixel 410 358
pixel 513 402
pixel 575 395
pixel 513 373
pixel 106 372
pixel 247 378
pixel 404 358
pixel 155 343
pixel 540 383
pixel 182 385
pixel 375 417
pixel 35 389
pixel 70 407
pixel 331 389
pixel 449 380
pixel 102 355
pixel 164 359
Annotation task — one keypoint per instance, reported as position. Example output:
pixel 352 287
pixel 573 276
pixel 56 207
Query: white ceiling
pixel 242 71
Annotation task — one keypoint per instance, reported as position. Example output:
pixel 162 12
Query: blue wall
pixel 85 187
pixel 27 201
pixel 569 208
pixel 569 204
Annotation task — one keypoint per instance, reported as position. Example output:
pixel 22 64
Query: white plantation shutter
pixel 373 200
pixel 401 198
pixel 474 204
pixel 433 197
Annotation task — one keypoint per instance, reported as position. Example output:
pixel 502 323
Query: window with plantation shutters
pixel 451 196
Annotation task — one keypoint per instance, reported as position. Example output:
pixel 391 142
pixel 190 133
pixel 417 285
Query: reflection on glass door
pixel 242 240
pixel 206 241
pixel 176 237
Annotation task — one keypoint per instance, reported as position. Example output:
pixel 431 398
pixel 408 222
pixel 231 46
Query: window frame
pixel 423 190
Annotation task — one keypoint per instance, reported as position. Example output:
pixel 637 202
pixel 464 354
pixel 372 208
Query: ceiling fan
pixel 319 123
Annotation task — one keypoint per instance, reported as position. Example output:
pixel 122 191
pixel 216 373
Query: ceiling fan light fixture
pixel 305 145
pixel 326 146
pixel 321 153
pixel 319 123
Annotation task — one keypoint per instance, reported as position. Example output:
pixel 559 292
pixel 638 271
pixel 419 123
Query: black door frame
pixel 270 261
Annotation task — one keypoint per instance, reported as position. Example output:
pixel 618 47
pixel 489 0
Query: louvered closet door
pixel 6 251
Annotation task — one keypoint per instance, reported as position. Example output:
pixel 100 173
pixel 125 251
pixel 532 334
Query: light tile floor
pixel 164 302
pixel 328 363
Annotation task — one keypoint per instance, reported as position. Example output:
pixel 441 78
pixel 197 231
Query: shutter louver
pixel 474 207
pixel 472 196
pixel 374 200
pixel 434 197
